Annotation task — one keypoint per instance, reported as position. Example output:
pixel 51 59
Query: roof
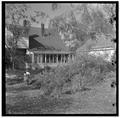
pixel 104 43
pixel 51 40
pixel 23 43
pixel 53 52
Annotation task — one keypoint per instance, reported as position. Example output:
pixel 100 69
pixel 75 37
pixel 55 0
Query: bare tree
pixel 14 15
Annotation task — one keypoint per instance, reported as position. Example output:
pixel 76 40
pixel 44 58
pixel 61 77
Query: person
pixel 26 77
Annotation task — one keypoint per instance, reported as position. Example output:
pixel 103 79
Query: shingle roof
pixel 51 40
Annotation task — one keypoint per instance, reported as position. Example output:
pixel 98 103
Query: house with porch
pixel 43 45
pixel 47 49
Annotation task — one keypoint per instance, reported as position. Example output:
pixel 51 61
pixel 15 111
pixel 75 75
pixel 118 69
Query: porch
pixel 51 58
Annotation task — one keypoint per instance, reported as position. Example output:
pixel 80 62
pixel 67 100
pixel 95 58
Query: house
pixel 44 46
pixel 104 48
pixel 47 49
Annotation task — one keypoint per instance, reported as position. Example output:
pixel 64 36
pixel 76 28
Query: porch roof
pixel 52 52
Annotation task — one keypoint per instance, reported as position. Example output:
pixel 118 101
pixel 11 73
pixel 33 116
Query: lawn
pixel 22 99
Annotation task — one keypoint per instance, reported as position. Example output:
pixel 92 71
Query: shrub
pixel 85 71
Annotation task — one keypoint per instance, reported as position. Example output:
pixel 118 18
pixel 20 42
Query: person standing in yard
pixel 26 77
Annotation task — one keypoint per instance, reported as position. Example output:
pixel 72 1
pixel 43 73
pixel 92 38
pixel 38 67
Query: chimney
pixel 42 29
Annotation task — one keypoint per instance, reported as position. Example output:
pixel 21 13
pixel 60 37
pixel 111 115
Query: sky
pixel 46 7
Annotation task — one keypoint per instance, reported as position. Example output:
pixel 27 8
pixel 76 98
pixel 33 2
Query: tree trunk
pixel 13 63
pixel 81 85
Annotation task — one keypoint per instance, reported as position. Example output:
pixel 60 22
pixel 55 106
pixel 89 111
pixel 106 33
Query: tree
pixel 94 20
pixel 18 22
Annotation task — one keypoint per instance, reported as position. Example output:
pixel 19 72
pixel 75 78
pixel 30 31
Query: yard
pixel 70 65
pixel 22 99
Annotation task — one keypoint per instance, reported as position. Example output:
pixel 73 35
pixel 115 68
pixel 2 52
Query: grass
pixel 22 99
pixel 82 87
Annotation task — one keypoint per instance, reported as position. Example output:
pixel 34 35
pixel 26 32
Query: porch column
pixel 61 58
pixel 33 61
pixel 57 58
pixel 49 58
pixel 26 66
pixel 38 58
pixel 45 58
pixel 53 58
pixel 64 58
pixel 41 58
pixel 67 58
pixel 32 57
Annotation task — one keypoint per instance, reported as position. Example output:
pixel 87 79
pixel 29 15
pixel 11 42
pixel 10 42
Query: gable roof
pixel 50 41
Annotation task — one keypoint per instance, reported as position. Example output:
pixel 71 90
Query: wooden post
pixel 37 58
pixel 41 58
pixel 57 58
pixel 49 58
pixel 33 58
pixel 66 58
pixel 45 58
pixel 63 59
pixel 33 61
pixel 53 58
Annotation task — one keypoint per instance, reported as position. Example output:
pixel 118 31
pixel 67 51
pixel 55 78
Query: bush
pixel 85 71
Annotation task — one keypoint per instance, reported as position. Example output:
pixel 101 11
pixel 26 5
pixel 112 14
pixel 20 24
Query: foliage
pixel 85 71
pixel 55 6
pixel 14 14
pixel 86 21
